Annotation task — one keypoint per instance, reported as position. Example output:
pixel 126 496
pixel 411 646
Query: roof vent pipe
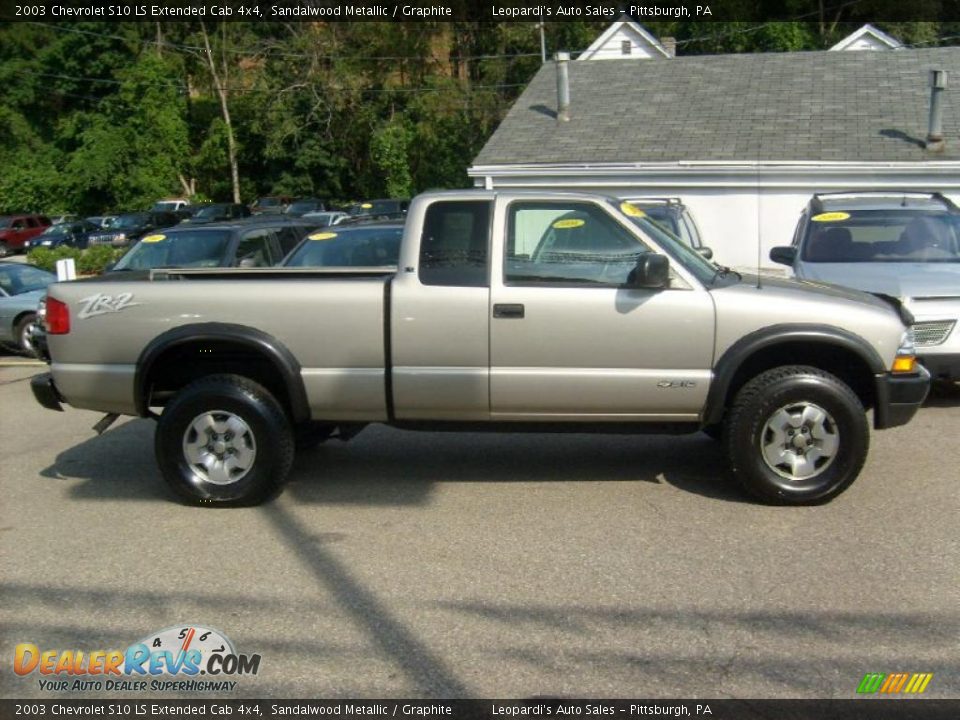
pixel 938 82
pixel 563 86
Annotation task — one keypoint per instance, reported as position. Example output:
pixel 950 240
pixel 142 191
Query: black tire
pixel 23 335
pixel 258 448
pixel 821 438
pixel 4 249
pixel 310 434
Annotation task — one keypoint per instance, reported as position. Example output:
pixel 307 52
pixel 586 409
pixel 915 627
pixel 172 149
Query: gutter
pixel 822 176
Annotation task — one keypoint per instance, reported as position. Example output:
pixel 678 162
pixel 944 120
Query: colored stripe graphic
pixel 918 683
pixel 893 683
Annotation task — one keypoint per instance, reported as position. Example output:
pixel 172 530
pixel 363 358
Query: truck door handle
pixel 514 310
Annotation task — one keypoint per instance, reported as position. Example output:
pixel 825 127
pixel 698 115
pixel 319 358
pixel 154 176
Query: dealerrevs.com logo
pixel 181 658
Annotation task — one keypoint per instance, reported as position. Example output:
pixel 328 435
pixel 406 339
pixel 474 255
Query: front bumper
pixel 944 366
pixel 45 391
pixel 899 397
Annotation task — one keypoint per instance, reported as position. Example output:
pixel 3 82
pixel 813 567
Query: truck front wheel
pixel 796 436
pixel 224 440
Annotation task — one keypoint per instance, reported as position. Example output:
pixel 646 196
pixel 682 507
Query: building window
pixel 625 47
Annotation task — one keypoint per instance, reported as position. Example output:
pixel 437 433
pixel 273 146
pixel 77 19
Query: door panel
pixel 586 346
pixel 601 352
pixel 440 318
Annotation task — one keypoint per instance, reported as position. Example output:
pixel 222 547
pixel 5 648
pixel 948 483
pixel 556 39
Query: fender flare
pixel 258 341
pixel 730 362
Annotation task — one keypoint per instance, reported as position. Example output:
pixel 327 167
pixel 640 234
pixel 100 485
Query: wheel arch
pixel 186 353
pixel 831 349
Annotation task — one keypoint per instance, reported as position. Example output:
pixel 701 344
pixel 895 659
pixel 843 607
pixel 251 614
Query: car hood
pixel 900 280
pixel 822 288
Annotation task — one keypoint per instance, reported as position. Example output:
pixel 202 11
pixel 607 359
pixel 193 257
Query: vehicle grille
pixel 926 334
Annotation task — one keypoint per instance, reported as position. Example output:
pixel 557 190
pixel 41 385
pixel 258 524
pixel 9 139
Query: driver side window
pixel 568 244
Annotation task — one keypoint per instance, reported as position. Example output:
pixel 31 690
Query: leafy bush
pixel 95 259
pixel 46 258
pixel 91 261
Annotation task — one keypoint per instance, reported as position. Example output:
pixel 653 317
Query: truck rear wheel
pixel 796 436
pixel 224 440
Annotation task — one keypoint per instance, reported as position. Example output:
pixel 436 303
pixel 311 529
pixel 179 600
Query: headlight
pixel 905 361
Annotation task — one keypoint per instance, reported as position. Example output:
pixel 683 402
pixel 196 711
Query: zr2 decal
pixel 102 304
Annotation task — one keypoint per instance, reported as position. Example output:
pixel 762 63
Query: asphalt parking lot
pixel 434 565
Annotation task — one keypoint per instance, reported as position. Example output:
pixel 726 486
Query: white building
pixel 868 38
pixel 743 140
pixel 626 39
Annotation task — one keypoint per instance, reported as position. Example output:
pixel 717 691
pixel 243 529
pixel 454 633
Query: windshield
pixel 302 206
pixel 166 205
pixel 196 248
pixel 356 247
pixel 60 229
pixel 19 279
pixel 375 207
pixel 862 236
pixel 693 261
pixel 129 221
pixel 211 211
pixel 663 217
pixel 268 202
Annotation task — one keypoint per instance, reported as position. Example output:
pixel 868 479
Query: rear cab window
pixel 455 244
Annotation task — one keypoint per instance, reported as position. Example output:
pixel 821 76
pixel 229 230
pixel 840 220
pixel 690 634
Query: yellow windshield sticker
pixel 154 238
pixel 367 206
pixel 631 210
pixel 831 217
pixel 322 236
pixel 567 224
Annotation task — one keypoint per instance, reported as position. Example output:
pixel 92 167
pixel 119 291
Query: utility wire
pixel 310 56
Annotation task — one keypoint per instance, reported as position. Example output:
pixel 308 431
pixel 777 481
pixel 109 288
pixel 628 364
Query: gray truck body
pixel 382 345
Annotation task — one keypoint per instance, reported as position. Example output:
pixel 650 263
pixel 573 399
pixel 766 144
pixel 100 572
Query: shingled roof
pixel 809 106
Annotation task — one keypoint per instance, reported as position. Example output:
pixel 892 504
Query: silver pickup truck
pixel 507 311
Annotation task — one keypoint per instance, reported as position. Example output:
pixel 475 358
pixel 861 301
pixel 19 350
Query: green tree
pixel 135 148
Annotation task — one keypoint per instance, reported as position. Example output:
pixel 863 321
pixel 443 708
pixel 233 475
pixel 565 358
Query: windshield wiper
pixel 722 271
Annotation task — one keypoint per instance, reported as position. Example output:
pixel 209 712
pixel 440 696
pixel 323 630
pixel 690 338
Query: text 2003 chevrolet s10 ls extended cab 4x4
pixel 521 311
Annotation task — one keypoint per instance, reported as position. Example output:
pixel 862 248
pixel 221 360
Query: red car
pixel 15 230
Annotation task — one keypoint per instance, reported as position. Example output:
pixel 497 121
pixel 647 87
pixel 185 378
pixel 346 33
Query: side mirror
pixel 706 252
pixel 784 254
pixel 652 271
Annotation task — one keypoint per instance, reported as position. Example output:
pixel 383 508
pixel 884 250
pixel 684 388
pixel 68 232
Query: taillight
pixel 58 317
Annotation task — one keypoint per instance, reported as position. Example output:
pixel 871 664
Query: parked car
pixel 218 212
pixel 247 244
pixel 326 218
pixel 375 244
pixel 388 208
pixel 16 230
pixel 73 234
pixel 122 230
pixel 674 217
pixel 899 244
pixel 60 219
pixel 170 205
pixel 303 206
pixel 21 288
pixel 270 205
